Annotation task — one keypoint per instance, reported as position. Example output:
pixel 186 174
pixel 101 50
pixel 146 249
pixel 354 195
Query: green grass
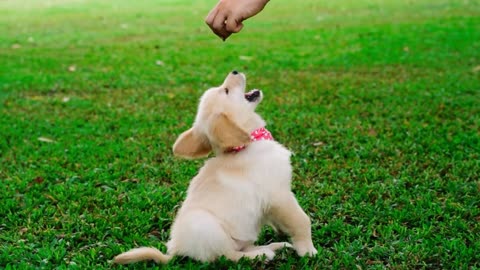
pixel 379 101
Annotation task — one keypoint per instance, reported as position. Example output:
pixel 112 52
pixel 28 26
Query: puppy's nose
pixel 234 72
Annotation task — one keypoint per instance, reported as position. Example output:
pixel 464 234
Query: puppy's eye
pixel 226 91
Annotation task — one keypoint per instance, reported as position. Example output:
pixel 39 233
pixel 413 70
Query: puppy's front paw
pixel 305 248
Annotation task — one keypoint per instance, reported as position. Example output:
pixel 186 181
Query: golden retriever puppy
pixel 245 186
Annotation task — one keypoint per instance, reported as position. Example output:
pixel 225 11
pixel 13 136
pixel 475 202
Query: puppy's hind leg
pixel 273 246
pixel 258 251
pixel 200 235
pixel 251 254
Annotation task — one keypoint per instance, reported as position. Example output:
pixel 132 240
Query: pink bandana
pixel 258 134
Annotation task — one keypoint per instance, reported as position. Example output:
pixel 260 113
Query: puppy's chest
pixel 238 189
pixel 267 165
pixel 246 193
pixel 244 206
pixel 251 192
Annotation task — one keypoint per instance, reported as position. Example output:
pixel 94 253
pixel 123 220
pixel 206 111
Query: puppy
pixel 245 186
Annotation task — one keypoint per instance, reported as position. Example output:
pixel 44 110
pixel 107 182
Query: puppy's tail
pixel 142 254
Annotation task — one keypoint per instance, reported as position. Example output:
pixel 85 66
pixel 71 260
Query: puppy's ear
pixel 226 133
pixel 190 144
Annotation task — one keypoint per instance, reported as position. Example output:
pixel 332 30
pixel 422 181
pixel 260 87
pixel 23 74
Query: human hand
pixel 227 16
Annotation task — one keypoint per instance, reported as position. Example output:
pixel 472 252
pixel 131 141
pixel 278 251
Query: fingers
pixel 223 26
pixel 218 26
pixel 216 22
pixel 219 22
pixel 232 25
pixel 211 16
pixel 227 16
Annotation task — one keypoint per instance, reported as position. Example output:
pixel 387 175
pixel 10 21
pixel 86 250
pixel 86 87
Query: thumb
pixel 233 25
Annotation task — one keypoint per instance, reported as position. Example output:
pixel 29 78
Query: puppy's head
pixel 225 118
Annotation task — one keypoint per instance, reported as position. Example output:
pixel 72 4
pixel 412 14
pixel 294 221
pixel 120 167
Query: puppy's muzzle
pixel 235 79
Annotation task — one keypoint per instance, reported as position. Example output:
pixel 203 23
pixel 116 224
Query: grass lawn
pixel 379 101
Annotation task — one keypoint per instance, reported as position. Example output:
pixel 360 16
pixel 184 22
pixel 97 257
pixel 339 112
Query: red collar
pixel 258 134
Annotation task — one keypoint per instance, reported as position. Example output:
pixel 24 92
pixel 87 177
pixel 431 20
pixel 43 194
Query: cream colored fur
pixel 234 194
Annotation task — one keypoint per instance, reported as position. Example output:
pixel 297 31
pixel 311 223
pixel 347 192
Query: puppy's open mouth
pixel 253 95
